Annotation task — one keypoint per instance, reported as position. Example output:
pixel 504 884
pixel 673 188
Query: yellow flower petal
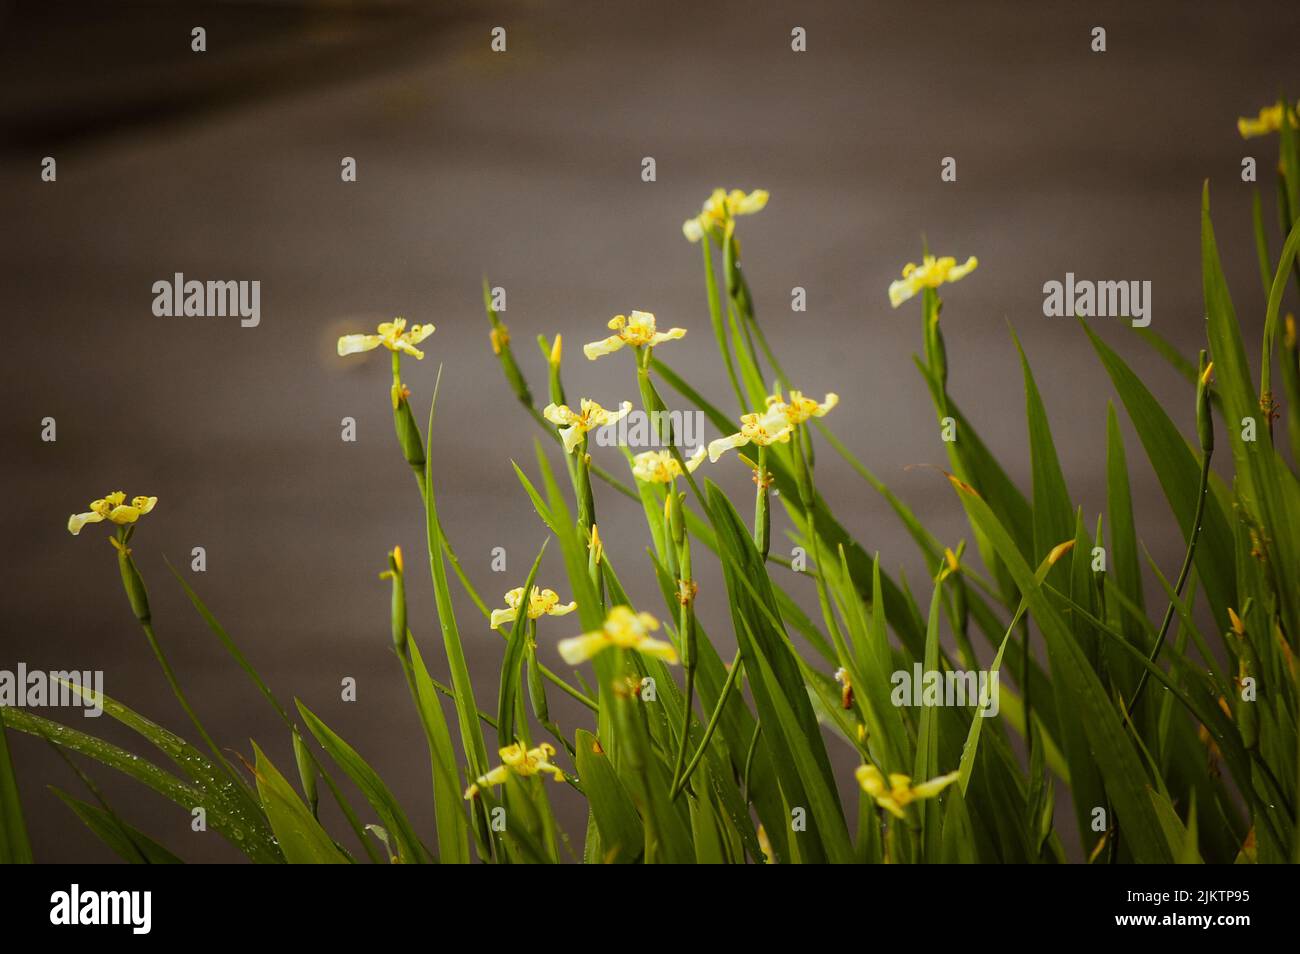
pixel 657 648
pixel 961 271
pixel 354 344
pixel 558 414
pixel 501 616
pixel 756 201
pixel 495 777
pixel 79 520
pixel 900 291
pixel 578 649
pixel 933 787
pixel 870 779
pixel 596 349
pixel 124 514
pixel 891 806
pixel 723 444
pixel 570 436
pixel 697 458
pixel 672 334
pixel 623 410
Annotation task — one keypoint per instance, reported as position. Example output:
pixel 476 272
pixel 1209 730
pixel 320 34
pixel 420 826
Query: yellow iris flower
pixel 775 424
pixel 799 408
pixel 720 208
pixel 637 330
pixel 770 427
pixel 574 424
pixel 931 273
pixel 624 629
pixel 900 791
pixel 540 602
pixel 517 760
pixel 113 508
pixel 392 335
pixel 661 467
pixel 1268 121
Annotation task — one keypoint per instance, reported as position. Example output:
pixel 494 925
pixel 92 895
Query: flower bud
pixel 1058 551
pixel 499 335
pixel 398 614
pixel 134 586
pixel 1204 417
pixel 408 435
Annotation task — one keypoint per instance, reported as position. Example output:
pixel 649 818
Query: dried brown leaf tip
pixel 961 484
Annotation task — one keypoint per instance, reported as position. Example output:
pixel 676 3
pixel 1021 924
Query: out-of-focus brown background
pixel 524 166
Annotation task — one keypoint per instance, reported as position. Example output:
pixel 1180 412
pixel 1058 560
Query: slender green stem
pixel 447 691
pixel 680 544
pixel 137 595
pixel 473 594
pixel 733 677
pixel 715 315
pixel 749 761
pixel 1201 494
pixel 1026 658
pixel 808 498
pixel 172 681
pixel 688 713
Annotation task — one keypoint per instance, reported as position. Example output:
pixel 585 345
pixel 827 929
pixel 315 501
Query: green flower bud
pixel 134 585
pixel 408 435
pixel 395 573
pixel 1204 417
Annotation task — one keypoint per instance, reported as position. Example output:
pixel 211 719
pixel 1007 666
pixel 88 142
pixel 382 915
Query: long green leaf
pixel 128 843
pixel 409 848
pixel 1178 471
pixel 239 829
pixel 15 848
pixel 449 810
pixel 299 834
pixel 790 726
pixel 511 665
pixel 1120 764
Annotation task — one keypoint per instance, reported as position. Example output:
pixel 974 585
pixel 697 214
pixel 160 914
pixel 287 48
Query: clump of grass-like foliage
pixel 1123 695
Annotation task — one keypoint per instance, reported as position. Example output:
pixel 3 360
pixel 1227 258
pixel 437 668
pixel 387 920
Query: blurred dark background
pixel 524 166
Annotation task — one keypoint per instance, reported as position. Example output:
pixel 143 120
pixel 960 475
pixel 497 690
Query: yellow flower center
pixel 800 408
pixel 626 629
